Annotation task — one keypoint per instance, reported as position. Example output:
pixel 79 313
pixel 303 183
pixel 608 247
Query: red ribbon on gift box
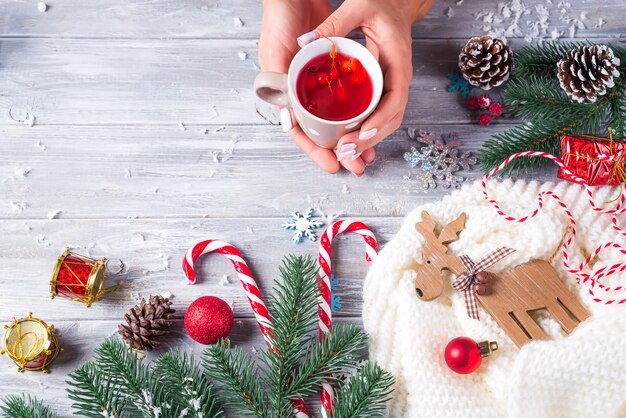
pixel 598 161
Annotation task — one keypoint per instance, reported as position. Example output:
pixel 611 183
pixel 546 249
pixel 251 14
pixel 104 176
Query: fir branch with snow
pixel 548 112
pixel 24 406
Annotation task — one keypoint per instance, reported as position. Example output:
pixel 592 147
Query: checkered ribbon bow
pixel 466 281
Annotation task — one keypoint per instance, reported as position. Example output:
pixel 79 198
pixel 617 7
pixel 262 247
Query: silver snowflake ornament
pixel 302 225
pixel 438 160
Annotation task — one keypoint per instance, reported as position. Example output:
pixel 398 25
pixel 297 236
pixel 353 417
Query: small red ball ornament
pixel 484 119
pixel 472 103
pixel 464 355
pixel 208 319
pixel 485 101
pixel 496 109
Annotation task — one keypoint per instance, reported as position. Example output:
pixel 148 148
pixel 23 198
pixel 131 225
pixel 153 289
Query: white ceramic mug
pixel 280 89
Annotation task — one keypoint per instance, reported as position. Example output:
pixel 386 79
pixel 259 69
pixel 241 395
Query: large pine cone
pixel 147 321
pixel 588 71
pixel 486 62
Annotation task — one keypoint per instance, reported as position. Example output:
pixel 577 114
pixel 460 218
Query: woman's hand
pixel 283 21
pixel 387 29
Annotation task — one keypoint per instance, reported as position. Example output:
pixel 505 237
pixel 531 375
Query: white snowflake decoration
pixel 437 160
pixel 303 226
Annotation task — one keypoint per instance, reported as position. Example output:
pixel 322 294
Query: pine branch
pixel 337 353
pixel 22 406
pixel 241 387
pixel 92 393
pixel 544 102
pixel 540 60
pixel 140 393
pixel 189 388
pixel 364 394
pixel 293 310
pixel 535 96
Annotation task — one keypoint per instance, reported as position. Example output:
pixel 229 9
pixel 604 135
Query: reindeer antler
pixel 451 231
pixel 426 226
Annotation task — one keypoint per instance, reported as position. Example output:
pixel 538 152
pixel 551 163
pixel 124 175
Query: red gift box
pixel 598 161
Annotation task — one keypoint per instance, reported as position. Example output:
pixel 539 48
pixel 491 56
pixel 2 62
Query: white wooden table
pixel 107 169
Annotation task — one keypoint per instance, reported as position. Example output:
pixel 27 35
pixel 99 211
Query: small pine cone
pixel 486 62
pixel 588 71
pixel 147 321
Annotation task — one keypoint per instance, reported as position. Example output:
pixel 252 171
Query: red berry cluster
pixel 485 102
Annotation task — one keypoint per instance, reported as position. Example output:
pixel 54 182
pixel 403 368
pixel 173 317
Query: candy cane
pixel 581 277
pixel 249 285
pixel 325 315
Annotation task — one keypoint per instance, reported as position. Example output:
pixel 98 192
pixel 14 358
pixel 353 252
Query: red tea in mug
pixel 334 86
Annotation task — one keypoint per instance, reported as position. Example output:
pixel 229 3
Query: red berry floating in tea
pixel 335 86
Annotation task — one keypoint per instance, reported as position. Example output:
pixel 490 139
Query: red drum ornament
pixel 30 343
pixel 464 355
pixel 79 278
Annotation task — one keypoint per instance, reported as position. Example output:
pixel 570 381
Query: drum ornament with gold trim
pixel 30 343
pixel 79 278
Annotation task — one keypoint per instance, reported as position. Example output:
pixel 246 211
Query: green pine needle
pixel 337 353
pixel 364 394
pixel 240 384
pixel 181 375
pixel 536 96
pixel 22 406
pixel 140 392
pixel 93 394
pixel 293 309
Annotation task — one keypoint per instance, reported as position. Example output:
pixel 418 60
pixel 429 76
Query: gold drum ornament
pixel 30 343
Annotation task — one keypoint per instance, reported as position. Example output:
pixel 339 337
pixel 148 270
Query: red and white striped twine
pixel 252 292
pixel 594 280
pixel 324 260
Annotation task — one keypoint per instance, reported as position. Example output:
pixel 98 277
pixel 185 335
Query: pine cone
pixel 486 62
pixel 588 71
pixel 147 321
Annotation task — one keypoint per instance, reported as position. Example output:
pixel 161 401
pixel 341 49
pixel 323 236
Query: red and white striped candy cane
pixel 249 285
pixel 593 280
pixel 325 314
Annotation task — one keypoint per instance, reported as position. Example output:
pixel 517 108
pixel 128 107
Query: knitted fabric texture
pixel 578 375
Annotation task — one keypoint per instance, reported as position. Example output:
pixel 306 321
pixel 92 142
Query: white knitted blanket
pixel 580 375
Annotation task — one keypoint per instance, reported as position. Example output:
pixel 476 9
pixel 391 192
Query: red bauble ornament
pixel 208 319
pixel 464 355
pixel 484 119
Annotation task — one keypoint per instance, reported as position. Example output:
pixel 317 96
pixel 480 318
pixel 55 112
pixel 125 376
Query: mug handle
pixel 271 87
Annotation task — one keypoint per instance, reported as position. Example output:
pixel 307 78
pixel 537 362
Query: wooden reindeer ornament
pixel 509 296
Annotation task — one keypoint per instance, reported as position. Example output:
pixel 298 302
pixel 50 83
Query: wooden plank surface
pixel 216 18
pixel 155 172
pixel 107 168
pixel 146 255
pixel 164 82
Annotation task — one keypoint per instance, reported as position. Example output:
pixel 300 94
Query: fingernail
pixel 347 147
pixel 307 38
pixel 285 119
pixel 344 155
pixel 364 136
pixel 354 157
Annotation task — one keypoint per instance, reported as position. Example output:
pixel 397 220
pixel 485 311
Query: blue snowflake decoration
pixel 303 225
pixel 459 84
pixel 335 301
